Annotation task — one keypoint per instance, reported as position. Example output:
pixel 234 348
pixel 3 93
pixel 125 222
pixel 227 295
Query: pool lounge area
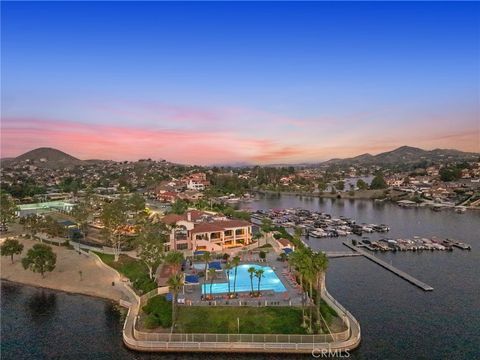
pixel 269 281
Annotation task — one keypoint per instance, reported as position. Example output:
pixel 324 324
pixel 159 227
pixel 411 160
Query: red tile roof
pixel 285 242
pixel 194 216
pixel 219 225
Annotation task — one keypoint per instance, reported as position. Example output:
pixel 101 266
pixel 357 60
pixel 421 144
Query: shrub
pixel 159 312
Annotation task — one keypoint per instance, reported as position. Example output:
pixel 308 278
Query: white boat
pixel 318 233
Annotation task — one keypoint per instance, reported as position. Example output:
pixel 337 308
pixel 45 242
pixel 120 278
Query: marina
pixel 315 224
pixel 415 244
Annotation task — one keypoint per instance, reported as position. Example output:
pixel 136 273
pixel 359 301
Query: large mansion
pixel 200 230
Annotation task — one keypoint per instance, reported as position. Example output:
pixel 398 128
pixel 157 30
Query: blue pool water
pixel 270 281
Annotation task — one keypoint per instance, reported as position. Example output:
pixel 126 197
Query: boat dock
pixel 338 254
pixel 391 268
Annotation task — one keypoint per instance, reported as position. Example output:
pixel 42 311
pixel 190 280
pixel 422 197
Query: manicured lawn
pixel 135 270
pixel 253 320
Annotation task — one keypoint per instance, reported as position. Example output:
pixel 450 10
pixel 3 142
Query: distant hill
pixel 46 157
pixel 405 155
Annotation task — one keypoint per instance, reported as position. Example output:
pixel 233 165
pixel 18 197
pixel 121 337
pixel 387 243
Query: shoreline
pixel 69 292
pixel 346 196
pixel 74 273
pixel 359 195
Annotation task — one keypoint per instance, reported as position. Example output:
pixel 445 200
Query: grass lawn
pixel 253 320
pixel 135 270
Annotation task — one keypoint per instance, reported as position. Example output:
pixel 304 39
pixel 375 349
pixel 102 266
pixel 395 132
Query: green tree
pixel 257 237
pixel 309 276
pixel 265 228
pixel 320 265
pixel 378 182
pixel 179 207
pixel 322 186
pixel 175 283
pixel 31 224
pixel 11 247
pixel 340 185
pixel 70 185
pixel 251 272
pixel 298 261
pixel 267 225
pixel 175 259
pixel 262 254
pixel 8 209
pixel 40 258
pixel 136 203
pixel 259 275
pixel 114 217
pixel 362 185
pixel 151 241
pixel 80 213
pixel 450 173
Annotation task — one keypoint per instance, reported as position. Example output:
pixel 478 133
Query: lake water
pixel 399 321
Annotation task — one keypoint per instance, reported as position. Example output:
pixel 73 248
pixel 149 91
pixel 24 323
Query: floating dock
pixel 338 254
pixel 391 268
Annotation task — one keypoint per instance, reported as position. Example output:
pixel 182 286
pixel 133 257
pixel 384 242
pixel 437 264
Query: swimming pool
pixel 270 281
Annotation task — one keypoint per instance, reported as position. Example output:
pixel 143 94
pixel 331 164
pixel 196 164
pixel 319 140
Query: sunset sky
pixel 218 83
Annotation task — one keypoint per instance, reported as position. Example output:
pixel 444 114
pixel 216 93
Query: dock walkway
pixel 391 268
pixel 337 254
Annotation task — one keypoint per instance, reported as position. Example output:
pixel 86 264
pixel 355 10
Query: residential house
pixel 201 230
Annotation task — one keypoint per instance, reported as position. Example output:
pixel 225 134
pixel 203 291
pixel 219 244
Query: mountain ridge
pixel 403 154
pixel 51 157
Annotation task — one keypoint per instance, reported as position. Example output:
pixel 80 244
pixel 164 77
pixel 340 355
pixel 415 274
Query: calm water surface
pixel 399 321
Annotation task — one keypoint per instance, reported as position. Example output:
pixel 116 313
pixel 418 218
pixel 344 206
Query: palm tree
pixel 212 274
pixel 309 276
pixel 235 263
pixel 257 237
pixel 259 275
pixel 320 264
pixel 175 283
pixel 228 267
pixel 251 271
pixel 175 259
pixel 297 261
pixel 206 257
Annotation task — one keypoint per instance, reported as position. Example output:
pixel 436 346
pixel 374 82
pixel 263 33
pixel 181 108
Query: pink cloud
pixel 129 143
pixel 207 146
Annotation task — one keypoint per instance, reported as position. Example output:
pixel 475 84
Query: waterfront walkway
pixel 240 343
pixel 391 268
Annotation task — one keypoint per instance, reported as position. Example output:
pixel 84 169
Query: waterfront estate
pixel 200 230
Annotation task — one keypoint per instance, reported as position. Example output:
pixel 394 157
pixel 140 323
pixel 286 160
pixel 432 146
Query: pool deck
pixel 291 297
